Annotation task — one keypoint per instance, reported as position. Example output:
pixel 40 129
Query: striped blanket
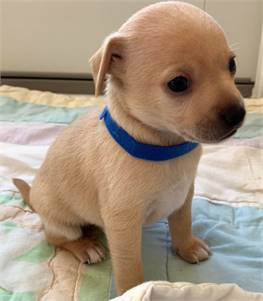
pixel 227 214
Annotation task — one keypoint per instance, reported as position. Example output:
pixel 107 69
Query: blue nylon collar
pixel 140 150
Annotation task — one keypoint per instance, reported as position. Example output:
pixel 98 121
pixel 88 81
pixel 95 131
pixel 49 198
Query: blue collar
pixel 140 150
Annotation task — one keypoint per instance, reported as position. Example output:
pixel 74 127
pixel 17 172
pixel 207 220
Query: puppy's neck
pixel 137 129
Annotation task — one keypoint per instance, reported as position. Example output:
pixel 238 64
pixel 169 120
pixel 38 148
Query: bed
pixel 227 213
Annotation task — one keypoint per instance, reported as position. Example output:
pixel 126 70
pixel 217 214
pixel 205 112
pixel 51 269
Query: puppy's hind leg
pixel 88 249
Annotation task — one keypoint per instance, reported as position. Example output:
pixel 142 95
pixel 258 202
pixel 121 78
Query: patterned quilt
pixel 227 212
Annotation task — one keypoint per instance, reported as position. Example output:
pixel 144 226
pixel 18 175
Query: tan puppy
pixel 170 79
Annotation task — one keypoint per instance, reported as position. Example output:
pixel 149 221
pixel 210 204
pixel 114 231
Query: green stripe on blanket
pixel 15 111
pixel 7 198
pixel 96 283
pixel 19 296
pixel 253 126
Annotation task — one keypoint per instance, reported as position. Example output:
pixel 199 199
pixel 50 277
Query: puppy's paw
pixel 94 253
pixel 86 250
pixel 193 251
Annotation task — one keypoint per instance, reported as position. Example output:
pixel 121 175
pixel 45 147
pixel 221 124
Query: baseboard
pixel 77 83
pixel 245 86
pixel 54 82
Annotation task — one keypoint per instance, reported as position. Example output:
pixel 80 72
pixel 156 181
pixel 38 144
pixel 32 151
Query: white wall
pixel 61 35
pixel 241 20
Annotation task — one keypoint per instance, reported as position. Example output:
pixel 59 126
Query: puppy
pixel 170 79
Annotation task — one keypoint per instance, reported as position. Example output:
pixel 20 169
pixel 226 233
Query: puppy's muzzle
pixel 233 116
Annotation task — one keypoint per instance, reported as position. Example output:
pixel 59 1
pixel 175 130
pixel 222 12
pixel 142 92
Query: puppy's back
pixel 66 177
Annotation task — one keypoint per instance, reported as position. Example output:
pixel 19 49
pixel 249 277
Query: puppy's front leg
pixel 187 246
pixel 123 230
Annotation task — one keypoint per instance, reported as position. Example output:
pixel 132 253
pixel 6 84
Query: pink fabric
pixel 252 142
pixel 29 133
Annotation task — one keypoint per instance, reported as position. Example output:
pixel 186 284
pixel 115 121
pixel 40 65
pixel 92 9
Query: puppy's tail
pixel 24 189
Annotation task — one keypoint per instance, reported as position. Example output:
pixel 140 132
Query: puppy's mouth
pixel 211 139
pixel 228 135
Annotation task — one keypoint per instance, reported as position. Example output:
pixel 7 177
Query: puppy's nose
pixel 233 115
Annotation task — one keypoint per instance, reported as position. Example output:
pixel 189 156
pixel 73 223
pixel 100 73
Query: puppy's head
pixel 171 68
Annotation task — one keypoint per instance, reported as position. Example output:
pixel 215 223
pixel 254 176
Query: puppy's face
pixel 175 72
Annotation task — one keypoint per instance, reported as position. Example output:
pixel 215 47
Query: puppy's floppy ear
pixel 102 60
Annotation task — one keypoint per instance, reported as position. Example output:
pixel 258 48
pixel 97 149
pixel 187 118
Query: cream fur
pixel 88 179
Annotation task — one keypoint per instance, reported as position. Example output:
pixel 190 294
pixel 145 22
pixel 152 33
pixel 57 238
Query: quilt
pixel 227 214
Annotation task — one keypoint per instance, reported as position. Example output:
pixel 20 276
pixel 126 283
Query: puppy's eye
pixel 179 84
pixel 232 65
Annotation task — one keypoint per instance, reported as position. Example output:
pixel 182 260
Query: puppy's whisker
pixel 234 47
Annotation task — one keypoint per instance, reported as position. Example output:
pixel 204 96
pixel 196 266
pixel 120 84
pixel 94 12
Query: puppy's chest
pixel 167 201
